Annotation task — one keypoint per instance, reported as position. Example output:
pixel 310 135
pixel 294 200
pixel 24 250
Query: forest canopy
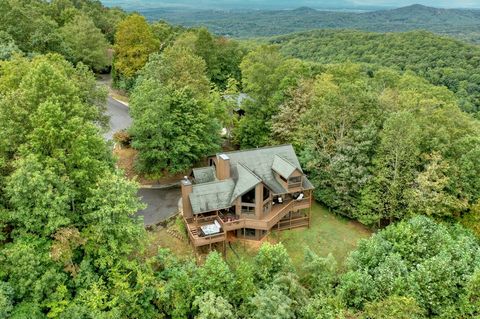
pixel 384 126
pixel 440 60
pixel 377 143
pixel 81 30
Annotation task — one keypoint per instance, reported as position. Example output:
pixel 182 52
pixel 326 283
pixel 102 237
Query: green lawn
pixel 328 233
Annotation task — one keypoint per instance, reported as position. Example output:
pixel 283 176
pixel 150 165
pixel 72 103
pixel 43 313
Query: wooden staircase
pixel 194 232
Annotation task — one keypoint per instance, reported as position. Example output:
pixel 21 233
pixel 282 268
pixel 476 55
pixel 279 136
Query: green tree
pixel 39 197
pixel 471 298
pixel 222 56
pixel 319 274
pixel 6 299
pixel 166 33
pixel 395 166
pixel 178 296
pixel 215 276
pixel 29 25
pixel 244 285
pixel 471 219
pixel 258 72
pixel 442 61
pixel 271 303
pixel 323 307
pixel 270 261
pixel 178 67
pixel 85 43
pixel 68 214
pixel 29 84
pixel 430 195
pixel 134 42
pixel 211 306
pixel 27 267
pixel 393 307
pixel 267 78
pixel 7 46
pixel 355 288
pixel 172 129
pixel 109 226
pixel 417 259
pixel 290 285
pixel 333 122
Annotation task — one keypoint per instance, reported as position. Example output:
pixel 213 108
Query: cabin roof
pixel 283 167
pixel 204 174
pixel 246 181
pixel 211 196
pixel 248 168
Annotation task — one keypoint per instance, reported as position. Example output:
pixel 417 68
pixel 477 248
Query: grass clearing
pixel 160 238
pixel 328 233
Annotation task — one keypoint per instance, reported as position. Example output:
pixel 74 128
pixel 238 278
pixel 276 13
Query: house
pixel 246 194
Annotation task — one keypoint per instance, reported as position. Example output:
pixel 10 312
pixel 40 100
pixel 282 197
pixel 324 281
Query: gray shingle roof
pixel 211 196
pixel 246 181
pixel 247 169
pixel 282 166
pixel 204 174
pixel 260 162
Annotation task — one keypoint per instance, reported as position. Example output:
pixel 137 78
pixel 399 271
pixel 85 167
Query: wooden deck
pixel 277 212
pixel 271 221
pixel 194 232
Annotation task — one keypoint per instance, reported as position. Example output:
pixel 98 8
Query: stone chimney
pixel 223 167
pixel 187 188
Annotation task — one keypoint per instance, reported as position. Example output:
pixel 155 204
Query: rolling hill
pixel 460 23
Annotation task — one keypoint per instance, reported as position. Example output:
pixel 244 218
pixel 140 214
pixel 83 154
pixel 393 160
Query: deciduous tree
pixel 172 128
pixel 134 42
pixel 85 43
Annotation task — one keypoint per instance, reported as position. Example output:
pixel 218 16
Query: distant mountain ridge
pixel 232 4
pixel 460 23
pixel 304 9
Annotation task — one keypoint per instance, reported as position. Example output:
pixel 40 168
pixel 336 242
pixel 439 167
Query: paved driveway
pixel 119 117
pixel 162 203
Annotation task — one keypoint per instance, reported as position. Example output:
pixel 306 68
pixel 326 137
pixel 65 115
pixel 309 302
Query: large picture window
pixel 249 197
pixel 266 193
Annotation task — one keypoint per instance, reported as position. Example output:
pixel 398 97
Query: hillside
pixel 461 23
pixel 441 60
pixel 277 231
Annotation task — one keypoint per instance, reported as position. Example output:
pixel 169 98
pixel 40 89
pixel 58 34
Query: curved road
pixel 161 203
pixel 119 117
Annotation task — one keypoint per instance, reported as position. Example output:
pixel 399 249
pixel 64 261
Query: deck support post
pixel 244 238
pixel 310 209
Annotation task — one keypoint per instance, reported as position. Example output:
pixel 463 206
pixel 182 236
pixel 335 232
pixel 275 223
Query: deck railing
pixel 193 229
pixel 277 213
pixel 267 222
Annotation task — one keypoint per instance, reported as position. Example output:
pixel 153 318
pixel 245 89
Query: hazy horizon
pixel 285 4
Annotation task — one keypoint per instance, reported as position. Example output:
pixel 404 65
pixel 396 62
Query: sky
pixel 288 4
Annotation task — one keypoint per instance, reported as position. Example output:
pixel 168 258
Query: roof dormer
pixel 289 174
